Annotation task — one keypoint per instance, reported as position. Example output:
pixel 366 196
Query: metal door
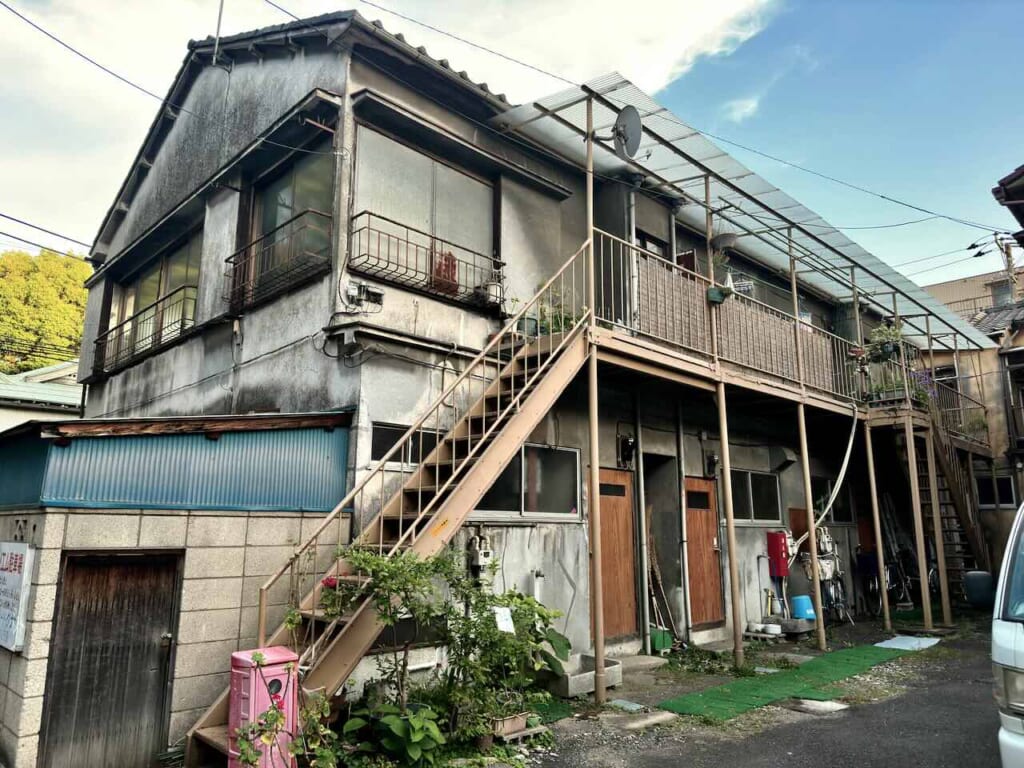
pixel 618 553
pixel 703 554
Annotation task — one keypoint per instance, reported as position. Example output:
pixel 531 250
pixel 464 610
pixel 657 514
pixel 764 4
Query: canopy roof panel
pixel 674 158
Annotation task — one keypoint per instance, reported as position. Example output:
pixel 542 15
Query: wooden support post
pixel 796 311
pixel 812 528
pixel 730 527
pixel 915 503
pixel 709 223
pixel 594 496
pixel 876 520
pixel 940 544
pixel 931 346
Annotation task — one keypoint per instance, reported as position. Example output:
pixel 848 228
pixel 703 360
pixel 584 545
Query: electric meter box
pixel 778 554
pixel 254 687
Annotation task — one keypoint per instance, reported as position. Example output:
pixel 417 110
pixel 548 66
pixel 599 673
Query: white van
pixel 1008 648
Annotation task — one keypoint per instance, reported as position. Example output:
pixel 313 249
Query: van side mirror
pixel 980 590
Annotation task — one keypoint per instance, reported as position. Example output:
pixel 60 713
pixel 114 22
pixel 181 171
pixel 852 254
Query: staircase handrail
pixel 482 357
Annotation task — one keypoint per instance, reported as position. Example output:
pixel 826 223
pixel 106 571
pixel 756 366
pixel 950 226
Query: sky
pixel 913 99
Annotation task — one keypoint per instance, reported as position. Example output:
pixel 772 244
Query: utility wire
pixel 135 85
pixel 43 229
pixel 948 263
pixel 671 118
pixel 42 247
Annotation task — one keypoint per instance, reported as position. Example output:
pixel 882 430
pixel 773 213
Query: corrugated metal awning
pixel 674 158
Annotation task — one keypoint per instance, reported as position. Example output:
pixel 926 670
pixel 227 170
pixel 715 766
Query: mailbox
pixel 253 689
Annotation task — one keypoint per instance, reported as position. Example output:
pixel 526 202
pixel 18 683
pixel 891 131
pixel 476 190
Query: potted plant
pixel 885 342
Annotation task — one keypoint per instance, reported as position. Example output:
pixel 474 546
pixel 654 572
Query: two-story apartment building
pixel 346 293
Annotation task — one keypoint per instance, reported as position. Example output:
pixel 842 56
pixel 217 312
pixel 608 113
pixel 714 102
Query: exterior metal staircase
pixel 963 543
pixel 420 493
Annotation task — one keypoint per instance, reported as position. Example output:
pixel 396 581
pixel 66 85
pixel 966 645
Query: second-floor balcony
pixel 398 253
pixel 152 327
pixel 645 296
pixel 651 297
pixel 286 256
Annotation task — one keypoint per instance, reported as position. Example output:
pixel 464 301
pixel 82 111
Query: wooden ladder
pixel 449 459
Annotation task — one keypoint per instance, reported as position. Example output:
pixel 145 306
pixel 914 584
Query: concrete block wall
pixel 227 556
pixel 23 675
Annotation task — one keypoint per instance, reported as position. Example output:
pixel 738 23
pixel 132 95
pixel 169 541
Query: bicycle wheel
pixel 873 596
pixel 840 606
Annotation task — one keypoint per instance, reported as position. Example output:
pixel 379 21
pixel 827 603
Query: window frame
pixel 490 180
pixel 750 520
pixel 844 496
pixel 405 463
pixel 522 516
pixel 985 481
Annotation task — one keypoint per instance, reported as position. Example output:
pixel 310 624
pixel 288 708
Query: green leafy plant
pixel 885 342
pixel 411 737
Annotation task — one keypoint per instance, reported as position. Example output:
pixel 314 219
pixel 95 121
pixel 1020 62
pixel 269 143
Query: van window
pixel 1013 590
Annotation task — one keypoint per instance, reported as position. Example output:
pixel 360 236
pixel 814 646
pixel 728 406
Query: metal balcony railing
pixel 397 253
pixel 288 255
pixel 151 327
pixel 961 414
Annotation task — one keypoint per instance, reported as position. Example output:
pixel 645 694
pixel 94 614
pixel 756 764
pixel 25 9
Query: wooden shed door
pixel 703 553
pixel 618 554
pixel 106 689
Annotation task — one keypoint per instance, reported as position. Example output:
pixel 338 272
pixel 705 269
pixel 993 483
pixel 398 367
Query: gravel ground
pixel 932 708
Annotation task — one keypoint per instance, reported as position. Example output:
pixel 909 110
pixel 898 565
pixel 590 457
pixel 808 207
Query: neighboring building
pixel 1009 191
pixel 44 394
pixel 967 296
pixel 302 267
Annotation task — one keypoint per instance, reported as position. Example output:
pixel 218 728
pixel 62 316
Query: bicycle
pixel 834 602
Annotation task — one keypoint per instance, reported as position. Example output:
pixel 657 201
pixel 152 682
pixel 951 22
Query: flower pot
pixel 484 742
pixel 506 726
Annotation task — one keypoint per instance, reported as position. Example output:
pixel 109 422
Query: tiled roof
pixel 998 319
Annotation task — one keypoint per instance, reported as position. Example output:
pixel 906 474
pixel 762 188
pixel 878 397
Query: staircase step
pixel 215 736
pixel 319 616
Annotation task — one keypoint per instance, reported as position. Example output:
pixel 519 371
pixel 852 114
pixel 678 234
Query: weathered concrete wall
pixel 227 556
pixel 270 360
pixel 222 113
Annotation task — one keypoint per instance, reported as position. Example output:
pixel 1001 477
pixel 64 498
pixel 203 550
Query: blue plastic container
pixel 803 608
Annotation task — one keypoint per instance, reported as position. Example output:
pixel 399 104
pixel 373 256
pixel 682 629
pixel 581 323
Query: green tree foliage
pixel 42 307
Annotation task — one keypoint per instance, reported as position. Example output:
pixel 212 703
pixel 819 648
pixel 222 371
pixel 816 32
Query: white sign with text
pixel 15 582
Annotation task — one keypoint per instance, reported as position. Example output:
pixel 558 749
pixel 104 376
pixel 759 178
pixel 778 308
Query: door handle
pixel 714 545
pixel 166 639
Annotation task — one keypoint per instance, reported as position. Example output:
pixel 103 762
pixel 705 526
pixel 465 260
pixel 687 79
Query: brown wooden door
pixel 106 691
pixel 703 553
pixel 618 554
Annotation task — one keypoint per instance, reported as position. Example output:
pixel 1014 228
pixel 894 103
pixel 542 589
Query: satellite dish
pixel 627 132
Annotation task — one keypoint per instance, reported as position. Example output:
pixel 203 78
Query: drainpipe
pixel 684 560
pixel 730 527
pixel 645 587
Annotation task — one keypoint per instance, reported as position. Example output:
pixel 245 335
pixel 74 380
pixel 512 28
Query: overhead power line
pixel 672 118
pixel 42 247
pixel 43 229
pixel 949 263
pixel 133 84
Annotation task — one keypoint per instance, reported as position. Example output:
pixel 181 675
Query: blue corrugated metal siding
pixel 279 469
pixel 22 466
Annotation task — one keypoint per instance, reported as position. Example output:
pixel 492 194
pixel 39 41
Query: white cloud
pixel 738 110
pixel 71 130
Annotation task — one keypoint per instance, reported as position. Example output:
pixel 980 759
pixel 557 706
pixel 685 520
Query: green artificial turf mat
pixel 553 710
pixel 811 680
